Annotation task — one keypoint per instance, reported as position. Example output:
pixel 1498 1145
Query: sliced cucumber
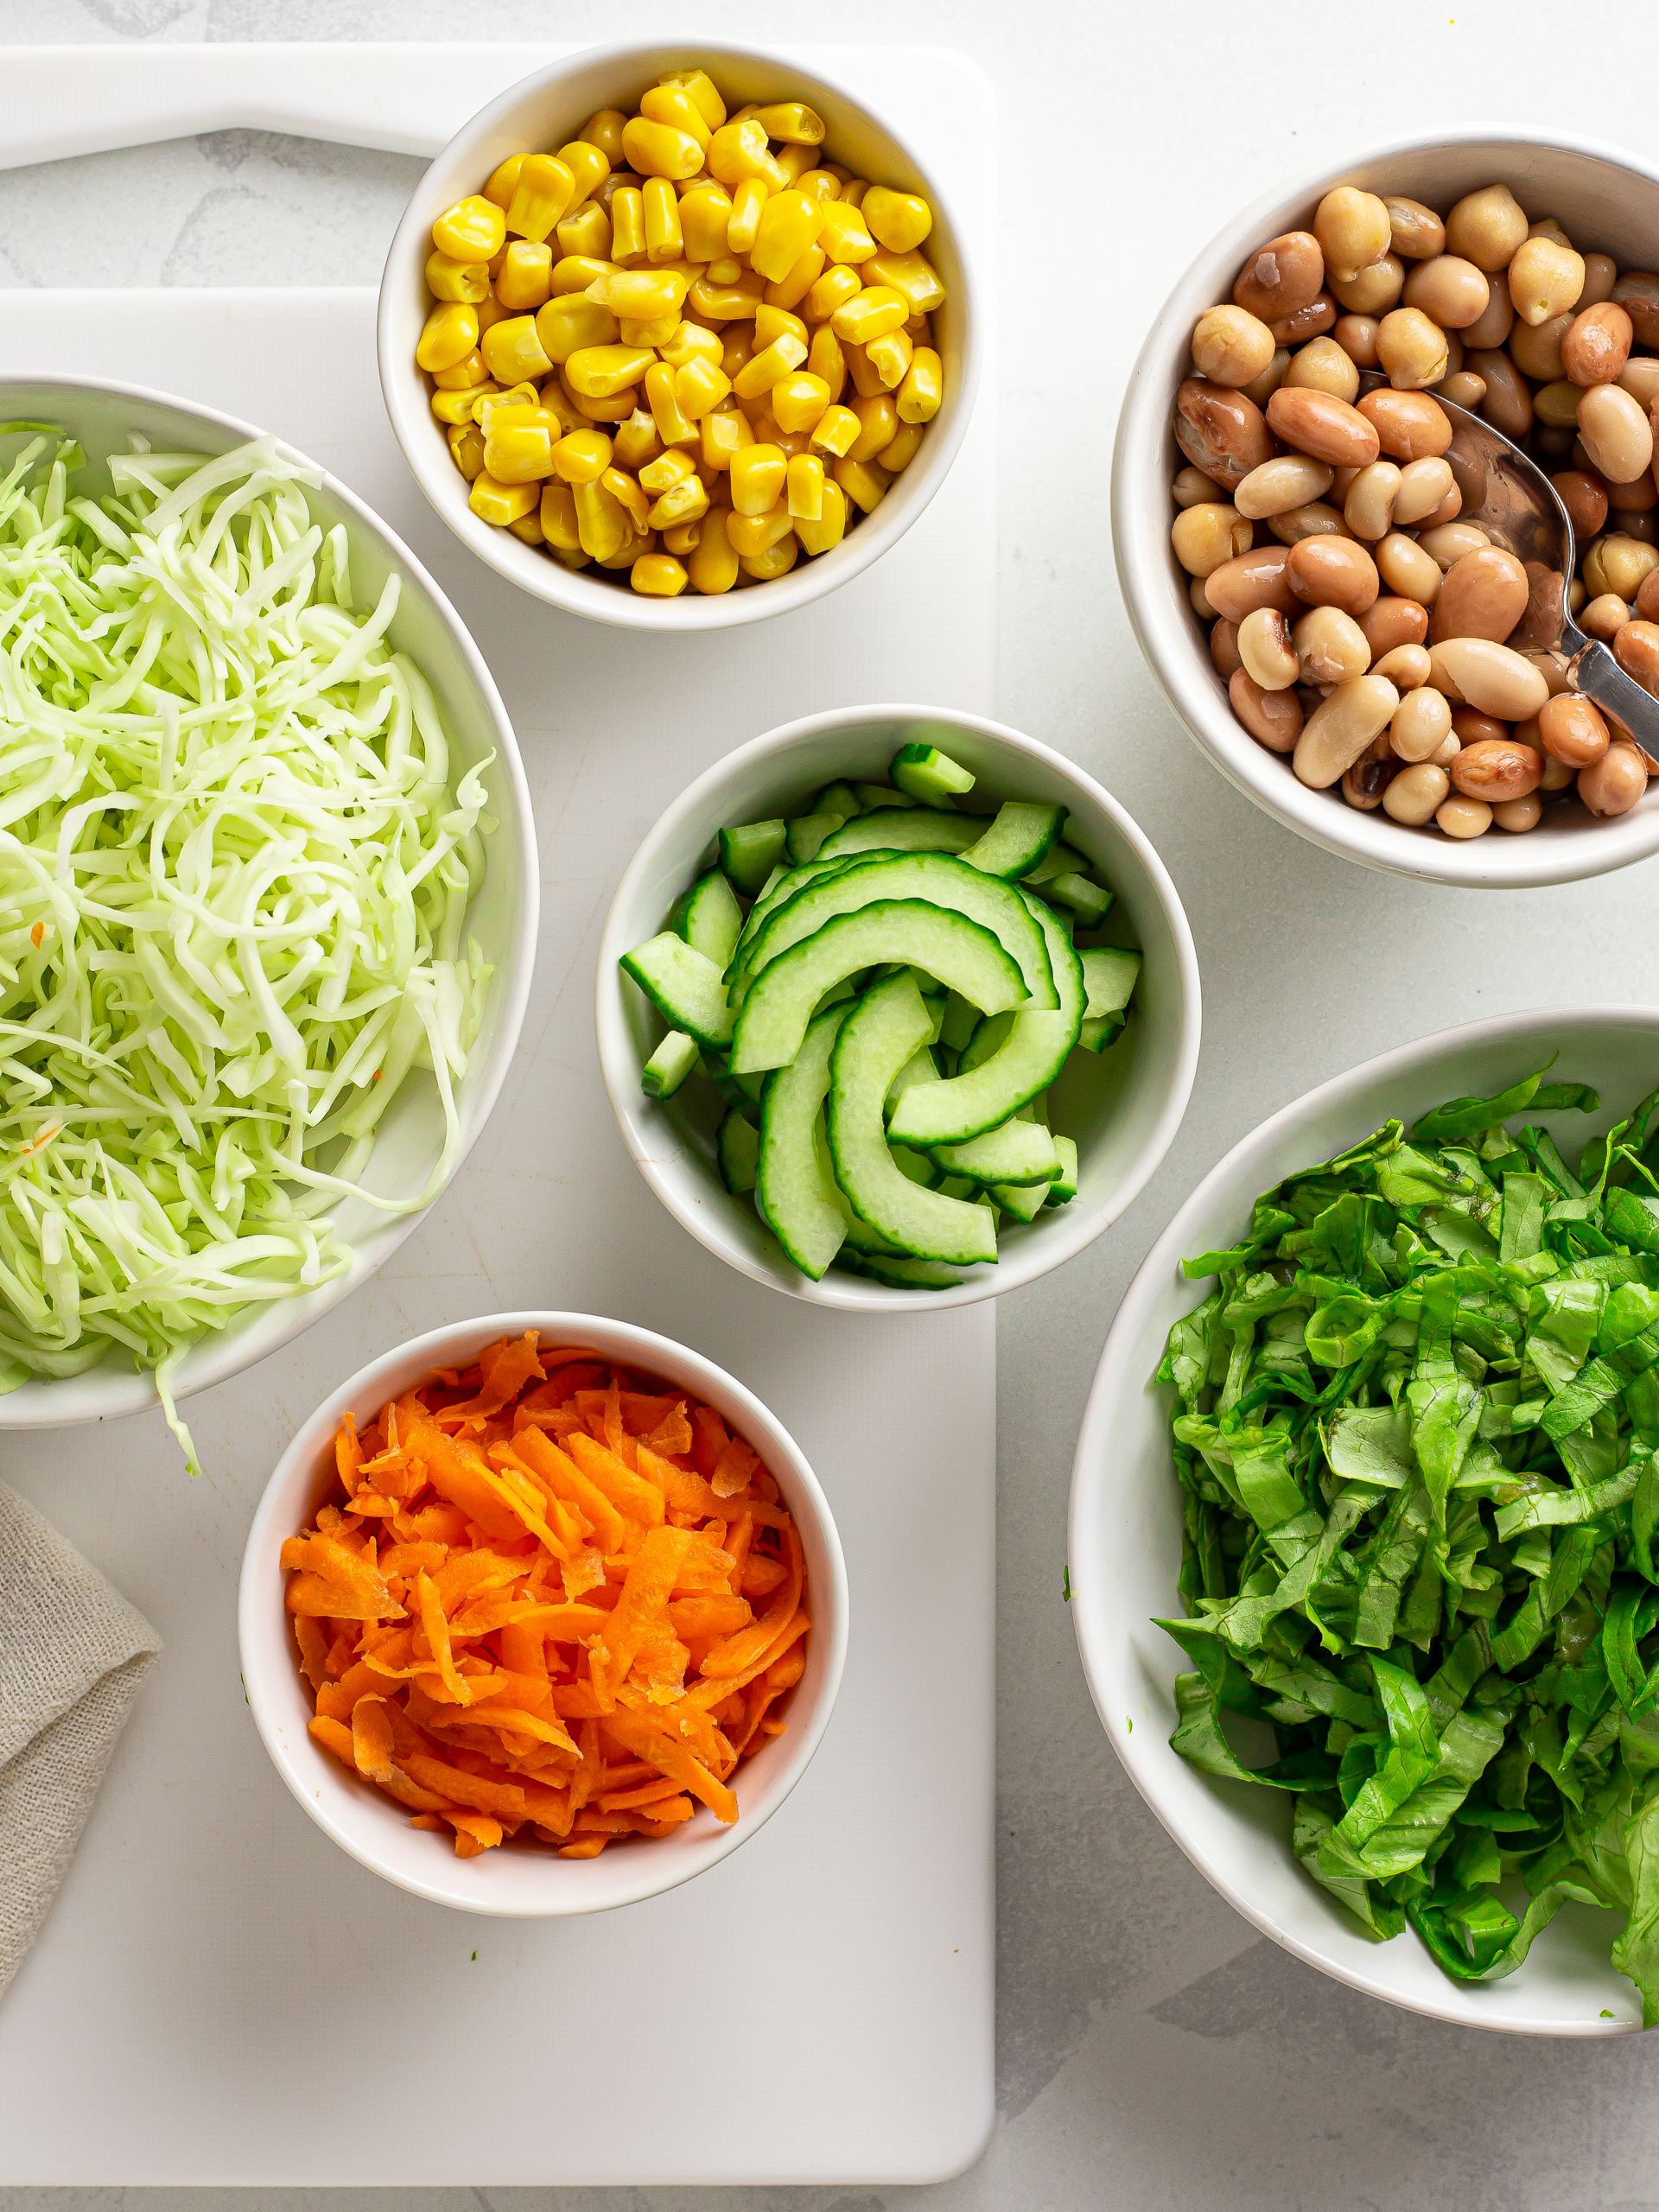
pixel 1025 1201
pixel 807 833
pixel 1087 899
pixel 916 1166
pixel 990 1035
pixel 902 829
pixel 1016 1152
pixel 1059 859
pixel 920 1067
pixel 749 852
pixel 741 1090
pixel 735 1148
pixel 783 883
pixel 1109 975
pixel 963 954
pixel 837 799
pixel 871 796
pixel 885 1027
pixel 938 878
pixel 1027 1060
pixel 709 918
pixel 929 775
pixel 958 1187
pixel 669 1065
pixel 1101 1030
pixel 1018 840
pixel 959 1023
pixel 1063 1188
pixel 899 1272
pixel 795 1186
pixel 686 990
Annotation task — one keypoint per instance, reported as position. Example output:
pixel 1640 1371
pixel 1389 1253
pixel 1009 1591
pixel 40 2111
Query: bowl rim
pixel 1183 672
pixel 1074 1226
pixel 259 1592
pixel 218 1358
pixel 1094 1617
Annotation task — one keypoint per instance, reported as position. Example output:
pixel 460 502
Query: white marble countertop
pixel 1153 2051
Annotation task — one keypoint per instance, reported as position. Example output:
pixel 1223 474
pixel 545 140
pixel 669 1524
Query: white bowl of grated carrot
pixel 788 1559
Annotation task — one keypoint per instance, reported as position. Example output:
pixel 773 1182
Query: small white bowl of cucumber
pixel 897 1009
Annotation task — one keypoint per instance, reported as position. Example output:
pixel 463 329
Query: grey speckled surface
pixel 1153 2051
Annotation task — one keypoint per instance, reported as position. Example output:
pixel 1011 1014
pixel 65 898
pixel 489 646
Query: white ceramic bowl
pixel 529 1883
pixel 1607 199
pixel 1125 1543
pixel 546 111
pixel 1122 1110
pixel 502 917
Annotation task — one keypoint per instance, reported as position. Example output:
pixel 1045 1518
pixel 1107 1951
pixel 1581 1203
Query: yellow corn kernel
pixel 628 496
pixel 545 191
pixel 743 114
pixel 528 528
pixel 853 189
pixel 600 371
pixel 698 387
pixel 705 211
pixel 737 348
pixel 757 478
pixel 901 449
pixel 740 150
pixel 490 312
pixel 834 288
pixel 714 565
pixel 466 376
pixel 522 399
pixel 658 576
pixel 724 435
pixel 691 342
pixel 920 330
pixel 603 525
pixel 664 233
pixel 627 226
pixel 466 450
pixel 514 350
pixel 652 334
pixel 769 365
pixel 700 87
pixel 661 148
pixel 923 389
pixel 865 483
pixel 823 184
pixel 916 281
pixel 830 527
pixel 581 456
pixel 451 407
pixel 637 442
pixel 588 165
pixel 587 231
pixel 717 302
pixel 825 358
pixel 516 449
pixel 673 105
pixel 778 560
pixel 571 561
pixel 576 271
pixel 804 480
pixel 450 335
pixel 747 203
pixel 877 419
pixel 639 294
pixel 472 230
pixel 793 122
pixel 526 277
pixel 667 469
pixel 790 290
pixel 725 269
pixel 567 325
pixel 661 397
pixel 504 182
pixel 558 517
pixel 871 315
pixel 841 232
pixel 686 501
pixel 501 504
pixel 789 223
pixel 604 130
pixel 798 401
pixel 836 432
pixel 557 402
pixel 683 538
pixel 770 322
pixel 866 378
pixel 898 221
pixel 788 442
pixel 890 357
pixel 466 282
pixel 602 407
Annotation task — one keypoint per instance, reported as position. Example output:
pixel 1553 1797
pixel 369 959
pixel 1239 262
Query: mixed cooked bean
pixel 1383 643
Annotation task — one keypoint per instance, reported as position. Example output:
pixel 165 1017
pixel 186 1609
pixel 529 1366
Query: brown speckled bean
pixel 1331 571
pixel 1597 344
pixel 1485 595
pixel 1220 431
pixel 1571 730
pixel 1613 783
pixel 1328 429
pixel 1258 578
pixel 1280 277
pixel 1394 621
pixel 1409 425
pixel 1273 718
pixel 1497 768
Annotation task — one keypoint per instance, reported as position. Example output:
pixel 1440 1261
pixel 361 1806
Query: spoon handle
pixel 1598 676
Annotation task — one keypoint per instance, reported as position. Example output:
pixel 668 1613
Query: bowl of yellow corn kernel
pixel 663 324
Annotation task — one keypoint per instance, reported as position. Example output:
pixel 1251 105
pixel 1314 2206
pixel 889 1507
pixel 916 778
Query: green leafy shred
pixel 234 879
pixel 1415 1425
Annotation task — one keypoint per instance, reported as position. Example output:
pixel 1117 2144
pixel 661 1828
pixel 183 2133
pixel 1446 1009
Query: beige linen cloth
pixel 72 1655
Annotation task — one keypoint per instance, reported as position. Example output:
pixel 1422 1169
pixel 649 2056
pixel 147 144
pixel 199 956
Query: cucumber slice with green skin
pixel 920 1067
pixel 1088 901
pixel 1101 1031
pixel 901 1273
pixel 962 955
pixel 877 1038
pixel 1017 1152
pixel 916 1166
pixel 1063 1188
pixel 795 1185
pixel 782 884
pixel 709 918
pixel 736 1148
pixel 871 796
pixel 837 799
pixel 1025 1201
pixel 990 1035
pixel 959 1023
pixel 807 833
pixel 1060 859
pixel 669 1065
pixel 1018 840
pixel 749 852
pixel 1026 1062
pixel 686 990
pixel 739 1091
pixel 902 829
pixel 929 775
pixel 1109 975
pixel 938 878
pixel 958 1187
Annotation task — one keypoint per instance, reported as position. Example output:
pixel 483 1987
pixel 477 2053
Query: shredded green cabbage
pixel 233 888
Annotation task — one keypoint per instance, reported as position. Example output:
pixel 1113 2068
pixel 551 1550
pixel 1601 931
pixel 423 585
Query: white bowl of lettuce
pixel 267 897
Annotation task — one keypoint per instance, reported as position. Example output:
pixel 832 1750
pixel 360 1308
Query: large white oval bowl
pixel 502 916
pixel 1607 199
pixel 1125 1542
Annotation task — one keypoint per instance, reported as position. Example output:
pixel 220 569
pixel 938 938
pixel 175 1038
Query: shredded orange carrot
pixel 551 1601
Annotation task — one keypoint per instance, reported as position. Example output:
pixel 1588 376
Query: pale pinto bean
pixel 1449 751
pixel 1497 768
pixel 1193 487
pixel 1265 651
pixel 1575 597
pixel 1335 736
pixel 1463 818
pixel 1409 425
pixel 1640 377
pixel 1603 618
pixel 1411 349
pixel 1353 228
pixel 1420 723
pixel 1273 718
pixel 1485 595
pixel 1622 564
pixel 1328 429
pixel 1516 814
pixel 1585 498
pixel 1331 647
pixel 1450 292
pixel 1470 727
pixel 1556 405
pixel 1416 232
pixel 1322 365
pixel 1423 484
pixel 1261 390
pixel 1220 431
pixel 1487 227
pixel 1368 509
pixel 1615 433
pixel 1600 275
pixel 1572 729
pixel 1476 672
pixel 1597 344
pixel 1393 622
pixel 1508 404
pixel 1280 277
pixel 1613 783
pixel 1291 479
pixel 1294 330
pixel 1223 647
pixel 1537 351
pixel 1406 667
pixel 1557 778
pixel 1314 520
pixel 1364 780
pixel 1407 570
pixel 1492 326
pixel 1546 279
pixel 1636 651
pixel 1255 578
pixel 1546 226
pixel 1328 571
pixel 1450 541
pixel 1464 390
pixel 1205 536
pixel 1414 793
pixel 1373 290
pixel 1231 346
pixel 1638 293
pixel 1356 335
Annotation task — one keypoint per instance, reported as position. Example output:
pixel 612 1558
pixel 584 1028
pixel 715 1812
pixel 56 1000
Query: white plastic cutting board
pixel 221 1995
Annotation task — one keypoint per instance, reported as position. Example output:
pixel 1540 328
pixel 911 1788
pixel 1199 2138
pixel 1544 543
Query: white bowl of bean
pixel 1607 204
pixel 549 110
